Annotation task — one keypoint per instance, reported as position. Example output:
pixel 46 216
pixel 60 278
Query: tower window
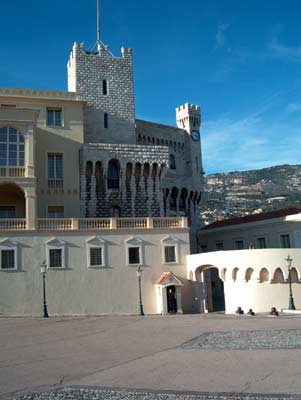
pixel 104 87
pixel 172 161
pixel 105 120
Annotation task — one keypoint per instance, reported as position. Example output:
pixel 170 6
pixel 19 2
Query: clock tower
pixel 189 118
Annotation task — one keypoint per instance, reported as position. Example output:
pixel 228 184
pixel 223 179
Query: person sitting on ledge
pixel 250 312
pixel 274 312
pixel 239 311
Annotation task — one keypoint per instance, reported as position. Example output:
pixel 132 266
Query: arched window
pixel 104 87
pixel 234 274
pixel 182 202
pixel 89 169
pixel 98 169
pixel 294 275
pixel 278 276
pixel 129 170
pixel 249 273
pixel 263 275
pixel 146 170
pixel 173 199
pixel 11 147
pixel 138 170
pixel 172 161
pixel 113 174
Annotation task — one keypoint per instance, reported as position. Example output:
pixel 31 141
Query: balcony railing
pixel 12 224
pixel 94 224
pixel 12 172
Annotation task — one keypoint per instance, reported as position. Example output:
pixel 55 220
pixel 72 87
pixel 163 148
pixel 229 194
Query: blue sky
pixel 240 60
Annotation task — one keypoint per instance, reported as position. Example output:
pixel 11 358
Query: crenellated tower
pixel 106 84
pixel 189 118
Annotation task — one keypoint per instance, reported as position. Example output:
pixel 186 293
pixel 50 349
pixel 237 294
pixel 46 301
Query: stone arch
pixel 182 200
pixel 89 169
pixel 12 201
pixel 234 273
pixel 154 170
pixel 278 276
pixel 153 141
pixel 173 198
pixel 213 287
pixel 162 142
pixel 129 170
pixel 148 140
pixel 158 142
pixel 139 138
pixel 137 170
pixel 264 275
pixel 146 169
pixel 166 142
pixel 144 139
pixel 98 169
pixel 113 174
pixel 248 274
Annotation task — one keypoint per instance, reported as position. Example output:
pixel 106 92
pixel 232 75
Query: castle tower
pixel 106 84
pixel 189 118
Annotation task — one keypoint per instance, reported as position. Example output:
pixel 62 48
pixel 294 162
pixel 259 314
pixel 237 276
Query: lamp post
pixel 43 271
pixel 291 305
pixel 139 274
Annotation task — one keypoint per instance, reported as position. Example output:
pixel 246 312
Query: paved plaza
pixel 174 357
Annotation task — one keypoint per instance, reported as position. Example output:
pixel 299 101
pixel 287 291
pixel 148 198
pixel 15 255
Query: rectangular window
pixel 105 121
pixel 219 246
pixel 8 259
pixel 55 258
pixel 261 243
pixel 285 241
pixel 55 211
pixel 7 212
pixel 239 244
pixel 96 257
pixel 55 170
pixel 134 255
pixel 170 254
pixel 54 116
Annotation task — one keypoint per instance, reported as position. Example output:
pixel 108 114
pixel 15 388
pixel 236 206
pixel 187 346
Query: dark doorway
pixel 215 290
pixel 171 299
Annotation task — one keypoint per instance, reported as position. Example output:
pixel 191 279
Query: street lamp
pixel 291 305
pixel 139 274
pixel 43 271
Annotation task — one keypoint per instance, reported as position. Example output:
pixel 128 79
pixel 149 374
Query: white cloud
pixel 248 143
pixel 221 34
pixel 282 51
pixel 293 107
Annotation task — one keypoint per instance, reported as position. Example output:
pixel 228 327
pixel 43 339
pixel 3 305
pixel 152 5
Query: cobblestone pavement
pixel 268 339
pixel 109 394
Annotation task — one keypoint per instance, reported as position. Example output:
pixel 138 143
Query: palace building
pixel 95 192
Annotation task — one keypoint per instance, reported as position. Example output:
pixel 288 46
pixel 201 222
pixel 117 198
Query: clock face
pixel 195 135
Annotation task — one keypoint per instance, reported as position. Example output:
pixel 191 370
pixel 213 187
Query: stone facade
pixel 159 167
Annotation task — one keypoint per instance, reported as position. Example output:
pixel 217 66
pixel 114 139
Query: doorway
pixel 215 290
pixel 172 307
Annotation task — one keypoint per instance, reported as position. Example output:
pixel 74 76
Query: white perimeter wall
pixel 260 296
pixel 77 289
